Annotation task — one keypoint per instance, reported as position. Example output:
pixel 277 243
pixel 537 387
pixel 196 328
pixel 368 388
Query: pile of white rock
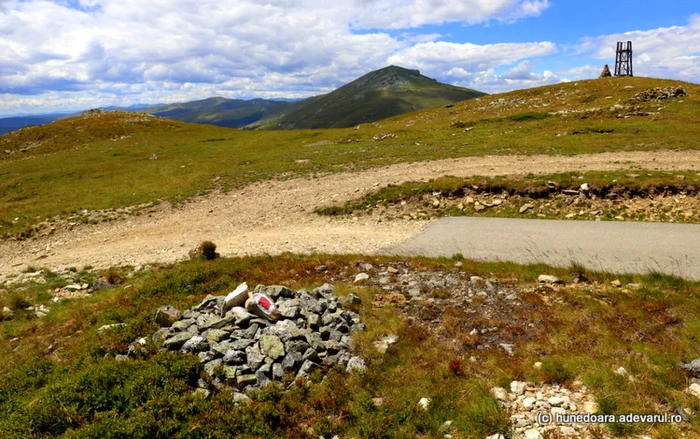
pixel 534 409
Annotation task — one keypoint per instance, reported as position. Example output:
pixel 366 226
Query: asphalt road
pixel 618 247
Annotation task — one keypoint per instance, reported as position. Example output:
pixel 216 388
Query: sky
pixel 68 55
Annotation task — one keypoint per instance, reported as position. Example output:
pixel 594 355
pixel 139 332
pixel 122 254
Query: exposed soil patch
pixel 678 203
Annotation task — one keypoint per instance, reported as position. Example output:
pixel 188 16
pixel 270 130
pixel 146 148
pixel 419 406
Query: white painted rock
pixel 236 297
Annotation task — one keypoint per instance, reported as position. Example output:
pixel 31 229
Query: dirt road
pixel 277 216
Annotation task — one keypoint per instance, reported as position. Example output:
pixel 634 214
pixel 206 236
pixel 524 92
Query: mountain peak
pixel 377 95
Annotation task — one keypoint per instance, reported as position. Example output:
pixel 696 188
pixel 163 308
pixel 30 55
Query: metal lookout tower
pixel 623 59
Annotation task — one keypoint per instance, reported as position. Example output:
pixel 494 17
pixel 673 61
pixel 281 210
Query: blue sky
pixel 66 55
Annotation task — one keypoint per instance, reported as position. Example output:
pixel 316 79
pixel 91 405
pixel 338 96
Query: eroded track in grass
pixel 277 216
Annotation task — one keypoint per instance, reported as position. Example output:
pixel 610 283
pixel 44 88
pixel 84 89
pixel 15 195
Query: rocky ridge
pixel 249 352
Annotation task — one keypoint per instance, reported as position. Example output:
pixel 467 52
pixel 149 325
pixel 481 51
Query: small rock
pixel 246 380
pixel 499 393
pixel 518 387
pixel 352 299
pixel 529 403
pixel 616 283
pixel 356 365
pixel 621 371
pixel 175 342
pixel 236 297
pixel 424 403
pixel 201 393
pixel 591 407
pixel 555 401
pixel 446 425
pixel 239 398
pixel 361 276
pixel 508 347
pixel 167 315
pixel 694 389
pixel 496 436
pixel 549 279
pixel 525 207
pixel 272 346
pixel 537 365
pixel 384 342
pixel 693 367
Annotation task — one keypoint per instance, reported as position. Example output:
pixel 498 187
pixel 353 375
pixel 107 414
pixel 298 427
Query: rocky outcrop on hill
pixel 660 94
pixel 237 347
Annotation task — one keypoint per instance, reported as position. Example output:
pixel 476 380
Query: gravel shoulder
pixel 272 217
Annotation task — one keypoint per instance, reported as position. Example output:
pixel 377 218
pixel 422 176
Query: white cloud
pixel 474 66
pixel 397 14
pixel 110 51
pixel 667 52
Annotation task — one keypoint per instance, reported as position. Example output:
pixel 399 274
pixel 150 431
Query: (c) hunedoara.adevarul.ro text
pixel 560 418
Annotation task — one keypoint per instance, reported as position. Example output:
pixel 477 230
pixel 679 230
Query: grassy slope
pixel 56 380
pixel 102 161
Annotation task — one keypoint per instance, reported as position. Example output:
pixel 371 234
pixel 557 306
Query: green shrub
pixel 530 115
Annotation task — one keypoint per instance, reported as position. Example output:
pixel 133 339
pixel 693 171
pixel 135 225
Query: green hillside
pixel 375 96
pixel 103 160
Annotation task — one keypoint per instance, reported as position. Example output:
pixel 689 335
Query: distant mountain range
pixel 375 96
pixel 9 124
pixel 230 113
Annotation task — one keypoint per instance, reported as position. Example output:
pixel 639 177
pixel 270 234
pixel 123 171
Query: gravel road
pixel 274 216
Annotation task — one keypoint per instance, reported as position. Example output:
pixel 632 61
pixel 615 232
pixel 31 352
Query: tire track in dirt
pixel 272 217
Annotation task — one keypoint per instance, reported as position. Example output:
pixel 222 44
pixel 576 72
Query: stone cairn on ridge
pixel 250 346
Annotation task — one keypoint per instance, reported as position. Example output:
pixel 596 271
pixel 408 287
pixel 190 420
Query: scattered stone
pixel 616 283
pixel 518 387
pixel 201 393
pixel 590 407
pixel 356 365
pixel 352 299
pixel 693 367
pixel 525 207
pixel 549 279
pixel 555 401
pixel 659 94
pixel 621 371
pixel 384 342
pixel 361 276
pixel 424 403
pixel 694 389
pixel 499 393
